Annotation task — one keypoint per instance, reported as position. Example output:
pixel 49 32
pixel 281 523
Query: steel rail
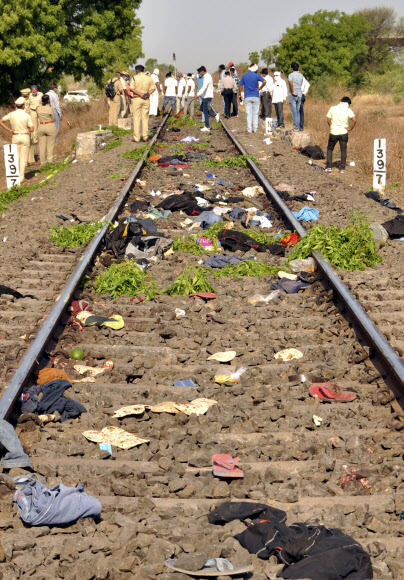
pixel 388 357
pixel 31 358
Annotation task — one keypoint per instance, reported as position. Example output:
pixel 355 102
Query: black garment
pixel 235 105
pixel 266 105
pixel 279 115
pixel 314 552
pixel 332 141
pixel 383 201
pixel 118 239
pixel 312 151
pixel 233 241
pixel 169 158
pixel 139 205
pixel 29 399
pixel 54 400
pixel 395 227
pixel 177 202
pixel 228 99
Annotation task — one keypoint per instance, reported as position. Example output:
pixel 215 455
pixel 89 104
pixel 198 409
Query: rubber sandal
pixel 209 572
pixel 325 394
pixel 225 466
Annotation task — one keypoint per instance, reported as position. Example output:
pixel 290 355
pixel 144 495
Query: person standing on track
pixel 227 87
pixel 206 92
pixel 21 128
pixel 250 81
pixel 189 96
pixel 170 86
pixel 154 99
pixel 46 131
pixel 141 87
pixel 200 83
pixel 279 94
pixel 265 95
pixel 113 91
pixel 54 101
pixel 222 70
pixel 180 92
pixel 338 118
pixel 34 101
pixel 234 75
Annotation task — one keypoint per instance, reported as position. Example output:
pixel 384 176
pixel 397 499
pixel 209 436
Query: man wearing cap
pixel 34 101
pixel 25 94
pixel 141 87
pixel 250 81
pixel 279 93
pixel 21 127
pixel 154 99
pixel 115 101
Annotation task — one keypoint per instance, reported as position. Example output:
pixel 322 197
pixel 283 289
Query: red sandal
pixel 325 394
pixel 225 466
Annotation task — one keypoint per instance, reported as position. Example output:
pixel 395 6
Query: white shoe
pixel 205 129
pixel 217 118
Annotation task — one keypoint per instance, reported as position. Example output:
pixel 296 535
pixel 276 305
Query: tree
pixel 254 57
pixel 332 44
pixel 40 40
pixel 267 55
pixel 384 30
pixel 151 64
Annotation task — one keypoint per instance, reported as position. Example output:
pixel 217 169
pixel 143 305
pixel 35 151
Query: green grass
pixel 189 245
pixel 113 144
pixel 191 280
pixel 117 176
pixel 74 236
pixel 125 165
pixel 180 122
pixel 118 132
pixel 9 195
pixel 137 153
pixel 127 279
pixel 236 161
pixel 249 268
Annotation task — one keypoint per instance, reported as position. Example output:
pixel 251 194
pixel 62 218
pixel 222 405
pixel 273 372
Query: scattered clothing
pixel 221 261
pixel 47 374
pixel 314 552
pixel 312 151
pixel 58 506
pixel 395 227
pixel 54 400
pixel 189 139
pixel 383 201
pixel 306 214
pixel 289 286
pixel 207 218
pixel 233 241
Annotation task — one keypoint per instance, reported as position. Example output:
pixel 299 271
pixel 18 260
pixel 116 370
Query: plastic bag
pixel 228 377
pixel 380 236
pixel 258 298
pixel 307 265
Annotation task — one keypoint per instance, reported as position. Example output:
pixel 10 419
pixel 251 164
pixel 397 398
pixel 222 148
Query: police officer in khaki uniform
pixel 21 127
pixel 25 93
pixel 115 102
pixel 124 97
pixel 141 87
pixel 34 101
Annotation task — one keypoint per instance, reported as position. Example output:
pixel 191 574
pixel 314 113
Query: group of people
pixel 34 125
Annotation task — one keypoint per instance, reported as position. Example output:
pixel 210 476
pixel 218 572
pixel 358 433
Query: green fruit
pixel 77 354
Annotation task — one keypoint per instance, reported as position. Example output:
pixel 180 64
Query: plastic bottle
pixel 234 377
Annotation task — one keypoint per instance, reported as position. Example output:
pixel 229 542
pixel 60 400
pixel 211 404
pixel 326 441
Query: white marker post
pixel 268 125
pixel 11 163
pixel 379 165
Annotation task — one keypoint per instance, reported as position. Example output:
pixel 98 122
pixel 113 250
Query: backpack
pixel 110 89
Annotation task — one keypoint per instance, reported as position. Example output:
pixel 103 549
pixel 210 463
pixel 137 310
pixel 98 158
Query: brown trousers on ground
pixel 22 142
pixel 114 109
pixel 140 108
pixel 47 136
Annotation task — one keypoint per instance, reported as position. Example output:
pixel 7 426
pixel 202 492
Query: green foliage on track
pixel 45 39
pixel 181 122
pixel 249 268
pixel 189 245
pixel 137 154
pixel 118 132
pixel 74 236
pixel 113 144
pixel 236 161
pixel 351 248
pixel 191 280
pixel 127 279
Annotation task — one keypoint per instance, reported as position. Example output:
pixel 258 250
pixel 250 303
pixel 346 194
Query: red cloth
pixel 290 240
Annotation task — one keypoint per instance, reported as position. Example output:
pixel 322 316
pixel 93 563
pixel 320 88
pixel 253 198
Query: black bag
pixel 177 202
pixel 312 151
pixel 233 241
pixel 110 89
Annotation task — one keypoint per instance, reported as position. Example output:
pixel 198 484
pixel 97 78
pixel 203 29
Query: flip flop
pixel 325 394
pixel 210 572
pixel 205 295
pixel 225 466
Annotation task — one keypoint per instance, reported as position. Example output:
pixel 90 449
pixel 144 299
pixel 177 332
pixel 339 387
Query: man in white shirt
pixel 180 92
pixel 265 95
pixel 170 92
pixel 338 118
pixel 206 92
pixel 305 90
pixel 189 96
pixel 279 94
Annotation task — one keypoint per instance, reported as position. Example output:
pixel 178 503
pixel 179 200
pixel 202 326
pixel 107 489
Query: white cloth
pixel 305 86
pixel 268 87
pixel 190 88
pixel 170 84
pixel 181 86
pixel 156 71
pixel 154 97
pixel 279 91
pixel 253 68
pixel 206 91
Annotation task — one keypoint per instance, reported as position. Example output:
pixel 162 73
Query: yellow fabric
pixel 19 121
pixel 140 108
pixel 142 83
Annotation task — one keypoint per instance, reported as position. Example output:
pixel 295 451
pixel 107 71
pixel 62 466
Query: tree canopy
pixel 326 43
pixel 40 40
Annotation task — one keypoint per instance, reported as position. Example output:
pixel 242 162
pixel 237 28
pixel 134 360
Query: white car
pixel 77 97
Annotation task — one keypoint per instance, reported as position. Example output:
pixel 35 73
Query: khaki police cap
pixel 125 73
pixel 25 91
pixel 20 101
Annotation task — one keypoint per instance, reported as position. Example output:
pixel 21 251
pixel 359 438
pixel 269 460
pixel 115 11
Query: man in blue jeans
pixel 206 92
pixel 249 81
pixel 295 94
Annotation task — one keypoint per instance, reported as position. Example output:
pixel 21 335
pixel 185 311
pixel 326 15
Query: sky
pixel 211 32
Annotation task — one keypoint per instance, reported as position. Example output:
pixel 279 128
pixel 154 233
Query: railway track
pixel 345 472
